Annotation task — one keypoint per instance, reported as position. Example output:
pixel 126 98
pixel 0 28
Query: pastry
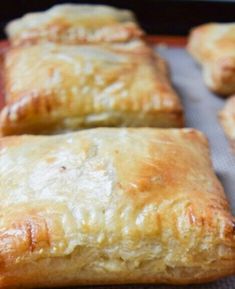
pixel 227 119
pixel 213 46
pixel 112 206
pixel 51 88
pixel 73 24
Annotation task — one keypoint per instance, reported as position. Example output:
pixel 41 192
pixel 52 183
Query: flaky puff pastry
pixel 213 46
pixel 52 88
pixel 227 120
pixel 73 24
pixel 112 206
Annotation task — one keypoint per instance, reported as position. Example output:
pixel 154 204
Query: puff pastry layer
pixel 72 24
pixel 227 119
pixel 213 46
pixel 52 88
pixel 109 206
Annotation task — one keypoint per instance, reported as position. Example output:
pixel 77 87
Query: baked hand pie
pixel 227 120
pixel 72 24
pixel 53 88
pixel 213 46
pixel 112 206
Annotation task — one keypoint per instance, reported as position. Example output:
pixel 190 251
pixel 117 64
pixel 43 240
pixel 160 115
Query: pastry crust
pixel 73 24
pixel 53 88
pixel 112 206
pixel 213 46
pixel 227 120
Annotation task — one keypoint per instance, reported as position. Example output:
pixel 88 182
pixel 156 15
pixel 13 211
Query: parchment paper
pixel 201 111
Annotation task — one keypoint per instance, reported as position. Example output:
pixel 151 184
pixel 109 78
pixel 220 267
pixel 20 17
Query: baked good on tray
pixel 72 24
pixel 112 206
pixel 213 46
pixel 51 88
pixel 227 120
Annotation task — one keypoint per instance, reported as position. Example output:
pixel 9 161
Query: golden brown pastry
pixel 213 46
pixel 227 120
pixel 112 206
pixel 72 24
pixel 53 88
